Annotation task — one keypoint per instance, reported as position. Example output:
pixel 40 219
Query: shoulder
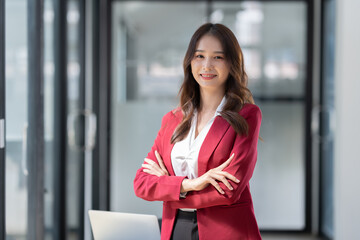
pixel 252 114
pixel 250 110
pixel 175 114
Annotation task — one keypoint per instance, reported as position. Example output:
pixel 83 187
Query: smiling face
pixel 209 66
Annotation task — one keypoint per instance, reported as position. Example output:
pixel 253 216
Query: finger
pixel 163 168
pixel 161 163
pixel 229 176
pixel 150 172
pixel 226 163
pixel 217 186
pixel 227 184
pixel 147 166
pixel 152 163
pixel 222 178
pixel 153 168
pixel 158 157
pixel 156 166
pixel 149 161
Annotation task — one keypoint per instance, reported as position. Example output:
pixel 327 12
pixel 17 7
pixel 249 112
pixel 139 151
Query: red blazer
pixel 229 216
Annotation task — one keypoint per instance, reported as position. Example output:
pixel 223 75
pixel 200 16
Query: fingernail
pixel 237 180
pixel 222 192
pixel 232 154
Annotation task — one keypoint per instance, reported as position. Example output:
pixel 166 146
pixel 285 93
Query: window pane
pixel 278 184
pixel 74 155
pixel 16 113
pixel 150 40
pixel 273 38
pixel 49 117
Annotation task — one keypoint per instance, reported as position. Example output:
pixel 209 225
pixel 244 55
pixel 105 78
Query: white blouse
pixel 184 155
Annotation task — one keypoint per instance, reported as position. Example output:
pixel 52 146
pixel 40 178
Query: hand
pixel 213 176
pixel 153 168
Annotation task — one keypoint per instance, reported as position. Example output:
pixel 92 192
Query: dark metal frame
pixel 102 103
pixel 60 119
pixel 2 116
pixel 81 106
pixel 61 228
pixel 308 111
pixel 35 147
pixel 321 117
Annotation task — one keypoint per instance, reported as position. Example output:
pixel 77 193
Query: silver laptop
pixel 116 225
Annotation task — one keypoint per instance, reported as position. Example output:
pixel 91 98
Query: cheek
pixel 194 65
pixel 193 71
pixel 194 68
pixel 225 70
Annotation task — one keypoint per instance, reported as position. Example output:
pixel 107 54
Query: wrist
pixel 186 186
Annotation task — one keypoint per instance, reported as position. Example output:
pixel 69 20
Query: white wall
pixel 347 105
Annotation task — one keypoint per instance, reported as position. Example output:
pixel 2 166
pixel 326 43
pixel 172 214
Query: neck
pixel 209 101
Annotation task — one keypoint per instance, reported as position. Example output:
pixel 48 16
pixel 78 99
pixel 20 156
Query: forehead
pixel 209 43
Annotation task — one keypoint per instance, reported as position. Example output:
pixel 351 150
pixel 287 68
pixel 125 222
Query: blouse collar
pixel 221 106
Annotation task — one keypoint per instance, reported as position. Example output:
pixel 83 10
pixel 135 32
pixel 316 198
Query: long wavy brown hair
pixel 236 91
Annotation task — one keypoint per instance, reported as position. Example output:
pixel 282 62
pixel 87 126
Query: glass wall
pixel 149 43
pixel 49 71
pixel 16 125
pixel 16 77
pixel 273 38
pixel 75 163
pixel 62 211
pixel 17 113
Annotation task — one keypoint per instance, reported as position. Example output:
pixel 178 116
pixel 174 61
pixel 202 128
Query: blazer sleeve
pixel 153 188
pixel 242 167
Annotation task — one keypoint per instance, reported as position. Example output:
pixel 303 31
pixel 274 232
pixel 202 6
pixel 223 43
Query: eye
pixel 199 56
pixel 219 57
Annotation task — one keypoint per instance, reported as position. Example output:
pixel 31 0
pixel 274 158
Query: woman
pixel 205 152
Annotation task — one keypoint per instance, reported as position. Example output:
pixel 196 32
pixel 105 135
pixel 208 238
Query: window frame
pixel 35 149
pixel 2 118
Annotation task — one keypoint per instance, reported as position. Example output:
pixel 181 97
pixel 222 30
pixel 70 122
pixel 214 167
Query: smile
pixel 208 76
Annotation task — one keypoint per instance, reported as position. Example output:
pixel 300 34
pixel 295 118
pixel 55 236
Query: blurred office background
pixel 84 85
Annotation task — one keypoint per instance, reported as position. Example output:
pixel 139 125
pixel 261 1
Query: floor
pixel 270 236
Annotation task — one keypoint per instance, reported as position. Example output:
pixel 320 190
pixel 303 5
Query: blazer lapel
pixel 212 139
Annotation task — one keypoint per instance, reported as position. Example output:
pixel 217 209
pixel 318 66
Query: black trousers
pixel 185 226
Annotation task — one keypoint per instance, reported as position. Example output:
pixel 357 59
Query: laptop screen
pixel 116 225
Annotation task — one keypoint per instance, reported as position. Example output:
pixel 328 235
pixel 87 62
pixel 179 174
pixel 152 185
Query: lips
pixel 208 76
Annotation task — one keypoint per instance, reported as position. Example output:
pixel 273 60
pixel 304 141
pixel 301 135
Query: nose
pixel 207 64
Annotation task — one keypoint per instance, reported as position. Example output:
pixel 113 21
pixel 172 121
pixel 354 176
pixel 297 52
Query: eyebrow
pixel 198 50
